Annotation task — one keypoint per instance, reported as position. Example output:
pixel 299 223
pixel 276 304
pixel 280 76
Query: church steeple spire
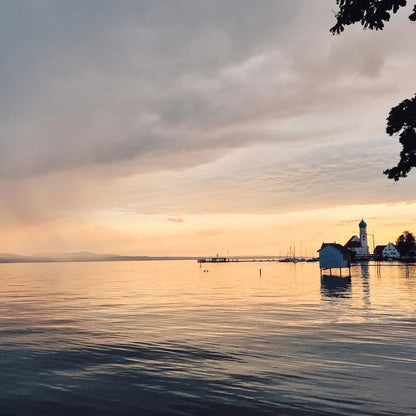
pixel 363 237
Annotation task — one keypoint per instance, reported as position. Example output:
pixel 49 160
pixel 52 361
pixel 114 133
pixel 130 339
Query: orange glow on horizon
pixel 206 235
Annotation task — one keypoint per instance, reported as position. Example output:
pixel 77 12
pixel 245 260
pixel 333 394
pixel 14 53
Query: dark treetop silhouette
pixel 402 118
pixel 405 243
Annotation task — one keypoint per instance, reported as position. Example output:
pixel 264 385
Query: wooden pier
pixel 254 259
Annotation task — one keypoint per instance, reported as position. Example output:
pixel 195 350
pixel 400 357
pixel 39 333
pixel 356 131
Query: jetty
pixel 258 259
pixel 213 260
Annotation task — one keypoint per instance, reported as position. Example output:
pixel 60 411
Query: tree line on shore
pixel 406 244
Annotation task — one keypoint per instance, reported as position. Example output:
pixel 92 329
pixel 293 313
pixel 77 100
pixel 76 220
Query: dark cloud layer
pixel 102 100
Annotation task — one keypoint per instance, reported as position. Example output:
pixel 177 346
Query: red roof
pixel 379 249
pixel 351 243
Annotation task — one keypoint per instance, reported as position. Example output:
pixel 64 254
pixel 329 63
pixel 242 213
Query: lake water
pixel 170 338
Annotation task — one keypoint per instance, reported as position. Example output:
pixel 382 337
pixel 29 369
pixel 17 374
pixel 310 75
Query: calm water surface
pixel 157 338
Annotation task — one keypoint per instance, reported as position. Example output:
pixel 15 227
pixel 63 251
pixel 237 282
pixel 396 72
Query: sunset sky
pixel 198 127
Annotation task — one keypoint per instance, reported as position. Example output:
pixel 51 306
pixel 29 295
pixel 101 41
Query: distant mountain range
pixel 78 257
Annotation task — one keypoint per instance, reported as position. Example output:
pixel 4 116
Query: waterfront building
pixel 378 252
pixel 334 256
pixel 388 251
pixel 359 245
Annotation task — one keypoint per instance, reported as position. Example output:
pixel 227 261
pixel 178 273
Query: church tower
pixel 363 238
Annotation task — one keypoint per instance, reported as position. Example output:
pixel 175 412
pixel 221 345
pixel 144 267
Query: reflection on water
pixel 365 273
pixel 335 286
pixel 161 338
pixel 365 269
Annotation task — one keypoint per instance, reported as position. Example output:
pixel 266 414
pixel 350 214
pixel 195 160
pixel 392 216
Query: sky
pixel 198 127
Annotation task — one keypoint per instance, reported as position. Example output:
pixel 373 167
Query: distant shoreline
pixel 83 257
pixel 91 260
pixel 238 260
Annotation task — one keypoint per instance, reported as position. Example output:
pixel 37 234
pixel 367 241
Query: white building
pixel 359 245
pixel 386 252
pixel 391 252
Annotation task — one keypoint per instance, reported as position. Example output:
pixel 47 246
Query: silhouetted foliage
pixel 370 13
pixel 402 119
pixel 405 243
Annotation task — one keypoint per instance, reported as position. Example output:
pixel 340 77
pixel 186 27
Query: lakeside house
pixel 378 252
pixel 334 256
pixel 388 251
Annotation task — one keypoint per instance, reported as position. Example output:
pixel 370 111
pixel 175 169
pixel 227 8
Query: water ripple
pixel 163 338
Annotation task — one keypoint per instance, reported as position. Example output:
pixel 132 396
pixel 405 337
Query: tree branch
pixel 370 13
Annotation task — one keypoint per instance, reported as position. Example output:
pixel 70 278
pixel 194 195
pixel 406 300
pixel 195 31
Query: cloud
pixel 145 81
pixel 177 220
pixel 346 222
pixel 194 107
pixel 356 220
pixel 102 84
